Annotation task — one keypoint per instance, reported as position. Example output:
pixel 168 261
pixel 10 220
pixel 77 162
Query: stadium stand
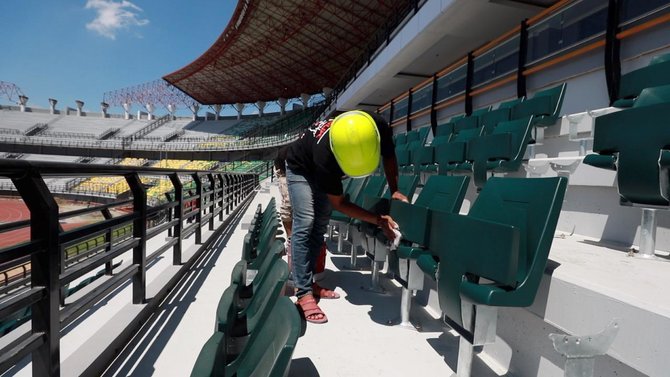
pixel 493 259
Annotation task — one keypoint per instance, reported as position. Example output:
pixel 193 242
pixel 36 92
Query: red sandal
pixel 307 305
pixel 321 292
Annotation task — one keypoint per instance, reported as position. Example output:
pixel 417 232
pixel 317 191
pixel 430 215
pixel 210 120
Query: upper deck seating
pixel 494 256
pixel 641 158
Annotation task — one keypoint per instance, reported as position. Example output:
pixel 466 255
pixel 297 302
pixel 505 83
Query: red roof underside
pixel 282 48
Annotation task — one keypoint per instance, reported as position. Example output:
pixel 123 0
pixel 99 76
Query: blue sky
pixel 78 49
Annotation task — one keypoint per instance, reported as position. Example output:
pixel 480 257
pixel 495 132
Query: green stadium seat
pixel 451 156
pixel 375 242
pixel 544 107
pixel 238 315
pixel 501 151
pixel 440 193
pixel 656 73
pixel 373 187
pixel 471 121
pixel 495 256
pixel 268 351
pixel 634 142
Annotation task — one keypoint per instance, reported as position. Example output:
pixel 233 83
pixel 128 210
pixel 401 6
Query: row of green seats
pixel 494 256
pixel 485 141
pixel 256 326
pixel 407 184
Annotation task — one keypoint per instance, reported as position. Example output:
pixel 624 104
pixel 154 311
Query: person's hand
pixel 387 224
pixel 399 196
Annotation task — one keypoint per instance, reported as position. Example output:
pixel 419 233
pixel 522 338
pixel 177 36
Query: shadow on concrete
pixel 303 367
pixel 141 353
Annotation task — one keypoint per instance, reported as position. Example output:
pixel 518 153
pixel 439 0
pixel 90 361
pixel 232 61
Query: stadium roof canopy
pixel 282 48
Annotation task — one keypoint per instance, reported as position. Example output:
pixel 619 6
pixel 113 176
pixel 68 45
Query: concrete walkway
pixel 355 342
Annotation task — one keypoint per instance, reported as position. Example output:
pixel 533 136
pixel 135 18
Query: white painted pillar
pixel 239 107
pixel 126 109
pixel 171 108
pixel 282 105
pixel 23 101
pixel 103 109
pixel 80 106
pixel 52 106
pixel 217 111
pixel 304 97
pixel 261 107
pixel 195 108
pixel 150 110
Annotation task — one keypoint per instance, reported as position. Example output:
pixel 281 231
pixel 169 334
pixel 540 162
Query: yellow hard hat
pixel 355 142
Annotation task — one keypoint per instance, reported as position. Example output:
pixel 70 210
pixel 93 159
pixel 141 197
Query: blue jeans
pixel 311 213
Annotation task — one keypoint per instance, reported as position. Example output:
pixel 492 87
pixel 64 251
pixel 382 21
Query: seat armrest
pixel 411 252
pixel 601 161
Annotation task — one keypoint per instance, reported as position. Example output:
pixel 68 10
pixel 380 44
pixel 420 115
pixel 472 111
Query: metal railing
pixel 215 195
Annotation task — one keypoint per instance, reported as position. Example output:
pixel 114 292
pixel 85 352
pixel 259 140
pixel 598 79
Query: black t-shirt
pixel 311 155
pixel 280 160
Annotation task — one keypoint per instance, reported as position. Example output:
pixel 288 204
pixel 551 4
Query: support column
pixel 304 97
pixel 521 65
pixel 23 101
pixel 103 109
pixel 171 108
pixel 52 106
pixel 140 233
pixel 80 106
pixel 282 105
pixel 179 216
pixel 239 107
pixel 126 110
pixel 150 110
pixel 217 111
pixel 194 108
pixel 44 226
pixel 648 233
pixel 261 107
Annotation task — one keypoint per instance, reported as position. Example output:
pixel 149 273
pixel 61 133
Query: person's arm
pixel 385 222
pixel 391 171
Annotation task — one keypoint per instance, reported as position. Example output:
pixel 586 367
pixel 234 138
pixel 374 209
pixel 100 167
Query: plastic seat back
pixel 502 150
pixel 506 238
pixel 440 193
pixel 545 106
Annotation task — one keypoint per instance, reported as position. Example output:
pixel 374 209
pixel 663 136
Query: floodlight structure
pixel 11 92
pixel 150 94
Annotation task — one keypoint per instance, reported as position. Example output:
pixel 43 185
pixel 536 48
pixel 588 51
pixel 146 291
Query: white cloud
pixel 113 16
